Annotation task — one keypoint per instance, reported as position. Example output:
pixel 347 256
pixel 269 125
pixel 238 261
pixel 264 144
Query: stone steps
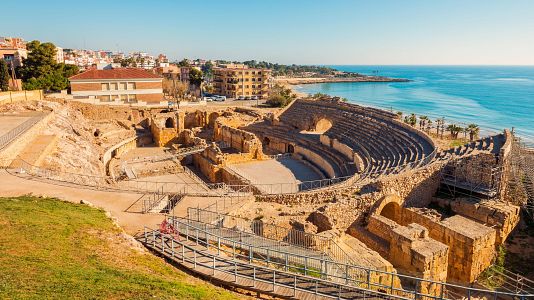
pixel 36 151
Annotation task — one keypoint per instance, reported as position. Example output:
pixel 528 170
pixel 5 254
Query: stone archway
pixel 169 123
pixel 389 206
pixel 392 211
pixel 211 119
pixel 290 148
pixel 322 125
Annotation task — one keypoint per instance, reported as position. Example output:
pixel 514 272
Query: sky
pixel 378 32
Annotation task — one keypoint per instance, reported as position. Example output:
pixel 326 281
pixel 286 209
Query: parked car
pixel 254 98
pixel 247 97
pixel 241 98
pixel 207 99
pixel 219 98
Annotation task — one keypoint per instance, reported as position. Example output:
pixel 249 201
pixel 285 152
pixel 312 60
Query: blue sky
pixel 291 31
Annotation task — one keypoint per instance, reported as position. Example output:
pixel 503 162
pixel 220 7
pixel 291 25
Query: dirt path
pixel 114 202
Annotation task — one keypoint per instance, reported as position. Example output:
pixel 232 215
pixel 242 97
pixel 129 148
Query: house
pixel 120 85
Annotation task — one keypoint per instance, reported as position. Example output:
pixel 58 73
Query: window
pixel 105 86
pixel 253 79
pixel 132 98
pixel 124 98
pixel 114 86
pixel 253 86
pixel 259 72
pixel 253 72
pixel 131 85
pixel 246 79
pixel 246 86
pixel 105 98
pixel 123 86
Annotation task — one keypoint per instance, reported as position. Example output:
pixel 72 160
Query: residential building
pixel 235 80
pixel 121 85
pixel 13 51
pixel 60 57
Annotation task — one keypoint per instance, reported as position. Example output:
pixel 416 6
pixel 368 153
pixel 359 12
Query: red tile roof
pixel 120 73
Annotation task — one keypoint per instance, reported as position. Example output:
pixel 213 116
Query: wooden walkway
pixel 261 279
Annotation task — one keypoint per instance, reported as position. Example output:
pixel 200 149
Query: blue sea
pixel 494 97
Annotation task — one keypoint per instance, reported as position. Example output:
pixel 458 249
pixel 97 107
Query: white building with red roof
pixel 122 85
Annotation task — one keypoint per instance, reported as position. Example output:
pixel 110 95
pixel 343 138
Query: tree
pixel 195 77
pixel 454 130
pixel 473 131
pixel 207 69
pixel 423 120
pixel 183 63
pixel 41 71
pixel 411 119
pixel 280 96
pixel 4 76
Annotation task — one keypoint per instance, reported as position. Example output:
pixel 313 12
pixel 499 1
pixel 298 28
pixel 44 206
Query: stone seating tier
pixel 388 143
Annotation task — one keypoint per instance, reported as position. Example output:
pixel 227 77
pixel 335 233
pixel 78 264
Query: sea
pixel 493 97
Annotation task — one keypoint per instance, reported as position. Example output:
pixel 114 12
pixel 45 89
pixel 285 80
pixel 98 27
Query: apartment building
pixel 13 51
pixel 122 85
pixel 235 80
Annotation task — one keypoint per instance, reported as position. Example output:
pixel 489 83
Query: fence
pixel 282 282
pixel 245 248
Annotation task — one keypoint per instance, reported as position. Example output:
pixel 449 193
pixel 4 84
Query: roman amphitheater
pixel 321 199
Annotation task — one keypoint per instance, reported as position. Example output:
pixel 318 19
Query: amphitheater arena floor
pixel 268 175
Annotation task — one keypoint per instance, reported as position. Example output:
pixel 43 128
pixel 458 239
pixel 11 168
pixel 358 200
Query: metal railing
pixel 238 248
pixel 273 232
pixel 11 135
pixel 283 282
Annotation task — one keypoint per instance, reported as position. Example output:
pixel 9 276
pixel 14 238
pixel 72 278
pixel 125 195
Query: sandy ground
pixel 276 175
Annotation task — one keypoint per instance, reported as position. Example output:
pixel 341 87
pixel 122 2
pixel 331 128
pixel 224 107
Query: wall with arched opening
pixel 169 123
pixel 322 125
pixel 389 206
pixel 211 119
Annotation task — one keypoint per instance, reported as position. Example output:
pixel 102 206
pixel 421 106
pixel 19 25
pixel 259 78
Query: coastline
pixel 313 80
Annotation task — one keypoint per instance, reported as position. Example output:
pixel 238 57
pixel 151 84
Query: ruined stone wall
pixel 412 251
pixel 242 141
pixel 415 187
pixel 471 245
pixel 100 112
pixel 500 215
pixel 475 170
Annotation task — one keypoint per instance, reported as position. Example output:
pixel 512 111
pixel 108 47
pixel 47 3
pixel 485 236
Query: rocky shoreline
pixel 312 80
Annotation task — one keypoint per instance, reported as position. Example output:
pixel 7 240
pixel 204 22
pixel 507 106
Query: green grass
pixel 50 249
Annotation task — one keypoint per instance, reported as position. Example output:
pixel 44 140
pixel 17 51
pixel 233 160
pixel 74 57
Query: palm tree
pixel 473 131
pixel 422 122
pixel 465 130
pixel 440 125
pixel 454 130
pixel 412 120
pixel 428 125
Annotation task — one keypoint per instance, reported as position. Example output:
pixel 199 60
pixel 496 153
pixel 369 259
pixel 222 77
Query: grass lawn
pixel 50 249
